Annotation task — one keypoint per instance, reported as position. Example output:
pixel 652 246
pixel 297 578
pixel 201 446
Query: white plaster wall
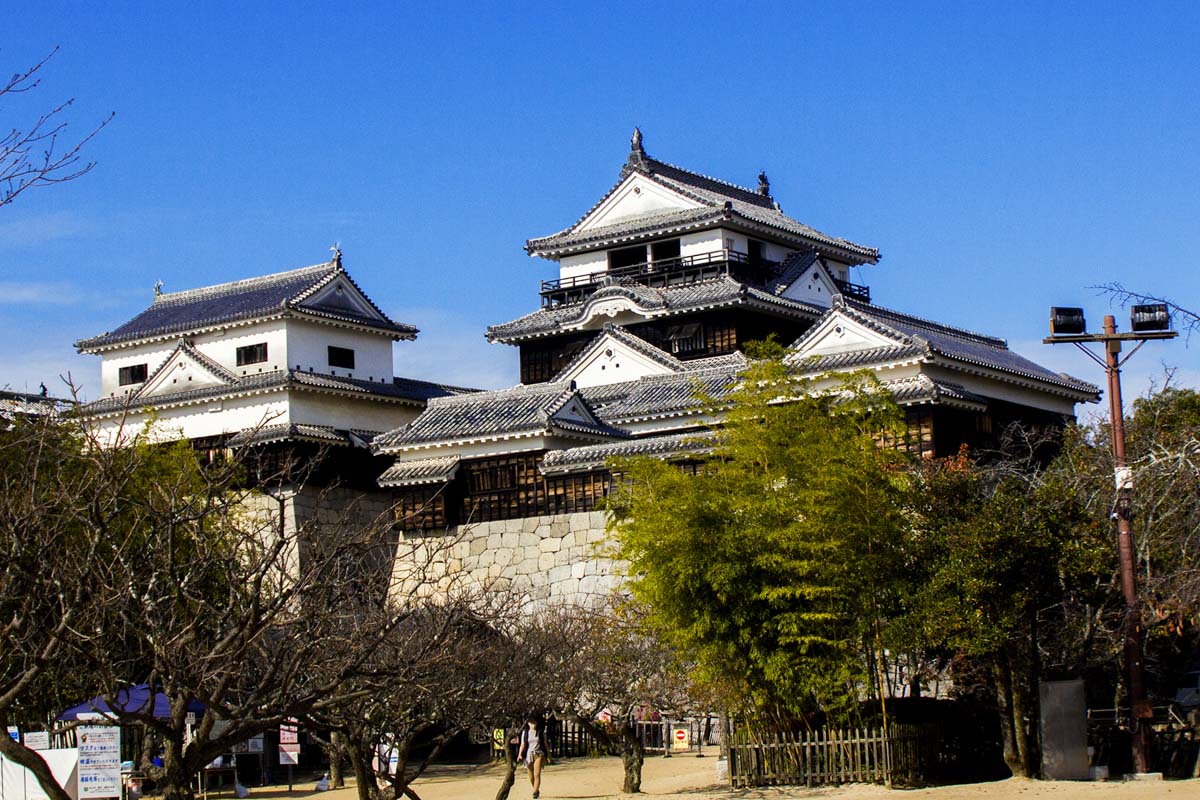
pixel 220 345
pixel 308 343
pixel 204 419
pixel 838 270
pixel 346 413
pixel 548 559
pixel 583 263
pixel 152 355
pixel 1002 390
pixel 701 242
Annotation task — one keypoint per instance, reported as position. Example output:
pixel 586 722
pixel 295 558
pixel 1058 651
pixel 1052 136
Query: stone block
pixel 560 573
pixel 478 545
pixel 562 557
pixel 550 545
pixel 503 556
pixel 530 539
pixel 510 538
pixel 493 541
pixel 545 561
pixel 578 570
pixel 486 558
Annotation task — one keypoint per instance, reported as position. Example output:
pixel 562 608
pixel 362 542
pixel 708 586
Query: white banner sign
pixel 99 761
pixel 37 740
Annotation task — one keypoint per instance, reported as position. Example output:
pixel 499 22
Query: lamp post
pixel 1147 322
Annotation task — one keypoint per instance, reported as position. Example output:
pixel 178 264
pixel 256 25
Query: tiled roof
pixel 963 345
pixel 853 359
pixel 420 471
pixel 720 200
pixel 401 390
pixel 520 410
pixel 792 269
pixel 658 396
pixel 322 434
pixel 714 293
pixel 28 404
pixel 179 312
pixel 595 456
pixel 923 389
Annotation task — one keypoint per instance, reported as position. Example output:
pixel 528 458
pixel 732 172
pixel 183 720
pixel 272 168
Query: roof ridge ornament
pixel 337 255
pixel 158 284
pixel 638 160
pixel 764 185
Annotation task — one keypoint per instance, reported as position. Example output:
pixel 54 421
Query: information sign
pixel 289 754
pixel 99 773
pixel 679 738
pixel 37 740
pixel 289 733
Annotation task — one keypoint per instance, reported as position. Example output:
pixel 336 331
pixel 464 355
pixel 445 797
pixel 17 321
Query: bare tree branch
pixel 36 155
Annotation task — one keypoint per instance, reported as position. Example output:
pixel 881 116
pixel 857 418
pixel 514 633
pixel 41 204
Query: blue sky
pixel 1002 156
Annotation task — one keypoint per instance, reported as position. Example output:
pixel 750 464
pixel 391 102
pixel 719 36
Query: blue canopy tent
pixel 135 699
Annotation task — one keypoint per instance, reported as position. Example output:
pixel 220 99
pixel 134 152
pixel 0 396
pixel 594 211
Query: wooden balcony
pixel 678 272
pixel 660 274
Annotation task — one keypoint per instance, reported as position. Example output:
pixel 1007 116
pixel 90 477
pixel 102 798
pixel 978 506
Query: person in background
pixel 533 752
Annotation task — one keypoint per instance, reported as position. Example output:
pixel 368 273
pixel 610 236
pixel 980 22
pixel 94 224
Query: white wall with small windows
pixel 309 346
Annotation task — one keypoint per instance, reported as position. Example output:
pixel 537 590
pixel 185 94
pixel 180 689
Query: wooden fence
pixel 826 757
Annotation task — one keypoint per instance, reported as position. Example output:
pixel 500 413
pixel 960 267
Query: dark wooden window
pixel 252 354
pixel 135 373
pixel 342 357
pixel 626 257
pixel 421 508
pixel 687 338
pixel 722 338
pixel 664 251
pixel 513 487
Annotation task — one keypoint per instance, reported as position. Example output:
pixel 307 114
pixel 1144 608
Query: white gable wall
pixel 220 345
pixel 637 195
pixel 613 362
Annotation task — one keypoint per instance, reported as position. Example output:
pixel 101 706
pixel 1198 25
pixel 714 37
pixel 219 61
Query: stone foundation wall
pixel 548 559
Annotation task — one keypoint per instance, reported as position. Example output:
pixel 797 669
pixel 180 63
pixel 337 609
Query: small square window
pixel 341 357
pixel 131 374
pixel 252 354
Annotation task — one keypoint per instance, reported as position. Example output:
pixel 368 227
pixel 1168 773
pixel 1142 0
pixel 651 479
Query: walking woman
pixel 533 752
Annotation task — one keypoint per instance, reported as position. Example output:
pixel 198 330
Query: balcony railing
pixel 855 291
pixel 677 272
pixel 664 272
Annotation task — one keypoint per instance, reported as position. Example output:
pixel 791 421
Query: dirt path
pixel 691 778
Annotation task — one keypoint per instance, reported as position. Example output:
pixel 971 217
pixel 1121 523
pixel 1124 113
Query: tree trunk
pixel 510 769
pixel 1008 732
pixel 30 760
pixel 364 775
pixel 632 757
pixel 337 749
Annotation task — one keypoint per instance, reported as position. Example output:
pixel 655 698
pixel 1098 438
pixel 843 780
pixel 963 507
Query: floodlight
pixel 1152 317
pixel 1066 321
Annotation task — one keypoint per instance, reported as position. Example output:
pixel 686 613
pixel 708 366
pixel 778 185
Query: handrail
pixel 662 266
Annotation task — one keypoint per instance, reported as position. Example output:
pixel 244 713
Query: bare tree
pixel 436 675
pixel 604 666
pixel 136 564
pixel 36 154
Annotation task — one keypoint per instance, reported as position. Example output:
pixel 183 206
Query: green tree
pixel 771 566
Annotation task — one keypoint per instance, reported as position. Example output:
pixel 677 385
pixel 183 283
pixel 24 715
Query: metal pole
pixel 1140 710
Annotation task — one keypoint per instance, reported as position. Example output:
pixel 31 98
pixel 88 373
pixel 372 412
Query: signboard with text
pixel 99 773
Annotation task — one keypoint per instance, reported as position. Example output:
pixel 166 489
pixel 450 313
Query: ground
pixel 691 778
